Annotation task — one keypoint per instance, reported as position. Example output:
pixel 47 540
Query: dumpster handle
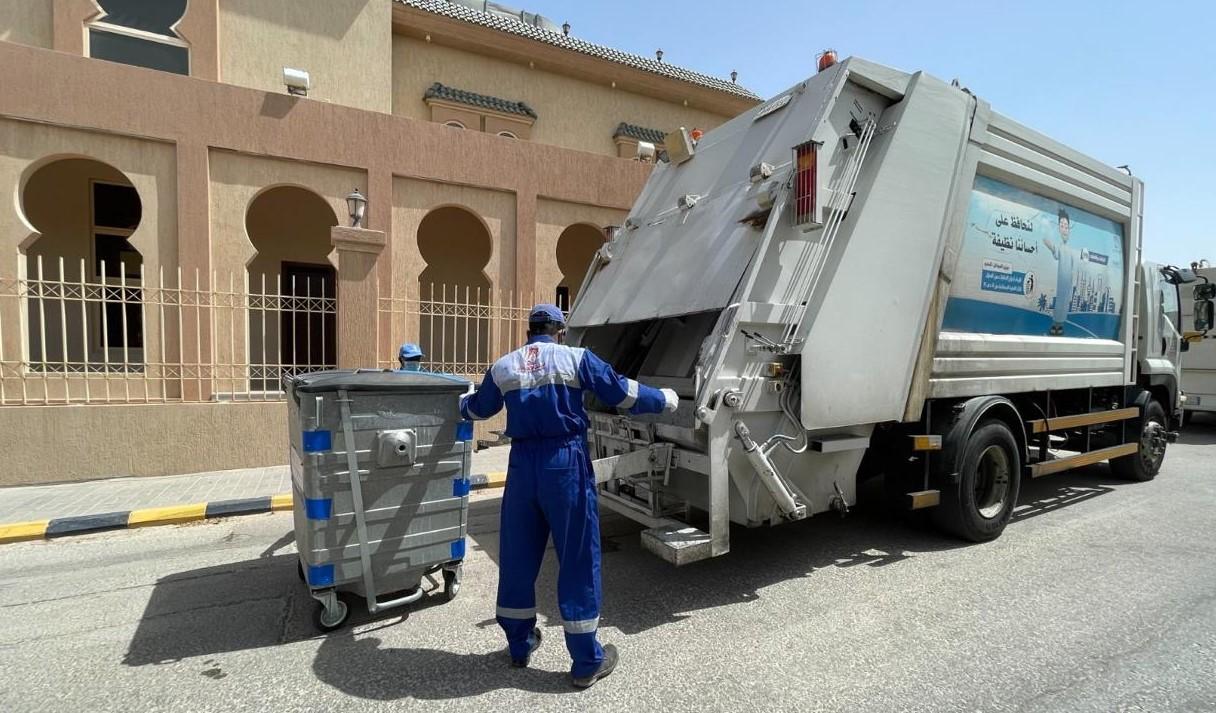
pixel 356 495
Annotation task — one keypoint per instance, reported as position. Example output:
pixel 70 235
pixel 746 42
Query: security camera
pixel 296 80
pixel 646 152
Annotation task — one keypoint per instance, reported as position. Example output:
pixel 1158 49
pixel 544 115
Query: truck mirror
pixel 1206 291
pixel 1178 275
pixel 1203 315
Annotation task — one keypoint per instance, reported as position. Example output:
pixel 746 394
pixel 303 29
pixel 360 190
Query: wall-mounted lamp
pixel 297 81
pixel 356 204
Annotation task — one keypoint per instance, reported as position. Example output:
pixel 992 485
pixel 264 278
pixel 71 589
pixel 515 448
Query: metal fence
pixel 69 335
pixel 461 329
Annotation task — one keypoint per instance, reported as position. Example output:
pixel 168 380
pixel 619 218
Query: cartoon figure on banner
pixel 1066 265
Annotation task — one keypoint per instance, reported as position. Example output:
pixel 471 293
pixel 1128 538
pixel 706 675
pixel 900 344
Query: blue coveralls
pixel 550 487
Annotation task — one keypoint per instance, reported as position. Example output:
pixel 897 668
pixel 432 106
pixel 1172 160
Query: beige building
pixel 175 227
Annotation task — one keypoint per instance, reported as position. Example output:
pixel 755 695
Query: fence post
pixel 358 295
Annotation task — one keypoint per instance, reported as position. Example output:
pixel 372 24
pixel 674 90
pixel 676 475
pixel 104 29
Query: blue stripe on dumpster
pixel 318 508
pixel 460 487
pixel 458 549
pixel 317 441
pixel 320 575
pixel 464 431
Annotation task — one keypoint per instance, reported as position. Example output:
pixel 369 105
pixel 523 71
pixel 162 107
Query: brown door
pixel 308 338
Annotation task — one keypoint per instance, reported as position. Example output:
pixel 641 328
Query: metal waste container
pixel 406 514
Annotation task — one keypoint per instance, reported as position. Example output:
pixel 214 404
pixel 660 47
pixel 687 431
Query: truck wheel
pixel 980 505
pixel 1145 464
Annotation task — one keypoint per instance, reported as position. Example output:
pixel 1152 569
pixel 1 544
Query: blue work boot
pixel 606 666
pixel 533 645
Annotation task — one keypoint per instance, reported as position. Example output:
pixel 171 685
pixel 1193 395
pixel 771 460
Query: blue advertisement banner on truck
pixel 1034 266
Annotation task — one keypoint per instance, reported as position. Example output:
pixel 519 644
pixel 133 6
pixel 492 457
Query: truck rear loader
pixel 874 273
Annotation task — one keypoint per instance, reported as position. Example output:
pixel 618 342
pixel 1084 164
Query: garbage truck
pixel 874 273
pixel 1199 357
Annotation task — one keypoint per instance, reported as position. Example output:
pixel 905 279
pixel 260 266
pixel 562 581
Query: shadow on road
pixel 1199 431
pixel 1043 495
pixel 362 667
pixel 230 607
pixel 261 603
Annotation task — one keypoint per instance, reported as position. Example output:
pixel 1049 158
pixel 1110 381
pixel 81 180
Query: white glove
pixel 672 399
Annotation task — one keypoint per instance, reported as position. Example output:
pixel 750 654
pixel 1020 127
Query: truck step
pixel 678 544
pixel 1084 419
pixel 1060 465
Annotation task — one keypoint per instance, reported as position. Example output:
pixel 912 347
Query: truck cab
pixel 1159 342
pixel 1199 347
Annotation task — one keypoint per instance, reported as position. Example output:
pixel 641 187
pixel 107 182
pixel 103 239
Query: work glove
pixel 672 400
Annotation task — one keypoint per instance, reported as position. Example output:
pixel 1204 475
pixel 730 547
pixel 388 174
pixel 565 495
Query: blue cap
pixel 409 350
pixel 543 313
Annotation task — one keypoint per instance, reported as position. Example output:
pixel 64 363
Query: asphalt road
pixel 1101 596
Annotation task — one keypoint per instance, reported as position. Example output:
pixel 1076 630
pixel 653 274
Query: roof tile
pixel 516 27
pixel 483 101
pixel 641 133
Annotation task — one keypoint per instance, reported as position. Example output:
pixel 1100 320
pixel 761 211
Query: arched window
pixel 454 124
pixel 453 290
pixel 507 135
pixel 576 248
pixel 85 312
pixel 141 33
pixel 293 319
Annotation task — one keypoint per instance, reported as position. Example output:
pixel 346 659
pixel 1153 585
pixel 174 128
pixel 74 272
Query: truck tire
pixel 1145 464
pixel 979 506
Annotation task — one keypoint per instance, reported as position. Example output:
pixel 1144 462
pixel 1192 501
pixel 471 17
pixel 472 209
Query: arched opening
pixel 453 124
pixel 292 286
pixel 576 247
pixel 454 291
pixel 85 302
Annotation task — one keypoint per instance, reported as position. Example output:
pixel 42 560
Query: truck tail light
pixel 806 183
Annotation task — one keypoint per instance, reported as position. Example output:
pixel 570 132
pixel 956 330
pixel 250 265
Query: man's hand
pixel 672 399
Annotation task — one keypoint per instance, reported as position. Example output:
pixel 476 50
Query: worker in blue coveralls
pixel 409 356
pixel 550 486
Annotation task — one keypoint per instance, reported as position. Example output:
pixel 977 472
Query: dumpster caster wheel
pixel 329 618
pixel 451 583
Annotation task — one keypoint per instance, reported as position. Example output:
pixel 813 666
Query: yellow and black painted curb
pixel 174 514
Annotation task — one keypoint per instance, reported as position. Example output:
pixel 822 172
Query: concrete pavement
pixel 1101 596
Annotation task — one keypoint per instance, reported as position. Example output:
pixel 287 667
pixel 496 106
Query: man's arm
pixel 1052 247
pixel 484 402
pixel 617 391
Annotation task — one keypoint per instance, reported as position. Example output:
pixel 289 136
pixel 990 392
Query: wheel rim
pixel 993 475
pixel 339 613
pixel 1152 445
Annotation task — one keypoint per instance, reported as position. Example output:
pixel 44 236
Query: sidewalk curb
pixel 174 514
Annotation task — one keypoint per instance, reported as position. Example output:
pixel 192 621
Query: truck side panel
pixel 975 361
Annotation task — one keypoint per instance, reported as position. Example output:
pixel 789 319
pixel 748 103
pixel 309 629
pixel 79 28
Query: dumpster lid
pixel 377 380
